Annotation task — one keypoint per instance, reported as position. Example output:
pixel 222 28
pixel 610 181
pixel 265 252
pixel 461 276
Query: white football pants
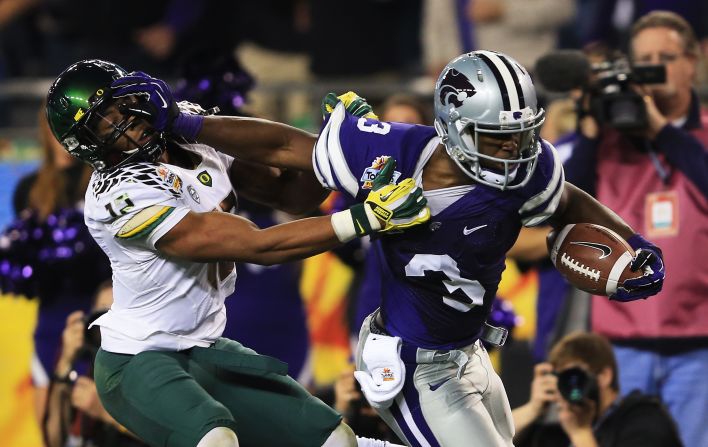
pixel 435 408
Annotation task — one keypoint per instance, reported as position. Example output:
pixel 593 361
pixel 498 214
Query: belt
pixel 412 354
pixel 491 334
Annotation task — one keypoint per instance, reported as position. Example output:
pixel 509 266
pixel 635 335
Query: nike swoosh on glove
pixel 157 105
pixel 650 260
pixel 397 206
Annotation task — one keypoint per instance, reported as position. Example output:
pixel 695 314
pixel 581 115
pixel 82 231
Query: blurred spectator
pixel 19 39
pixel 610 21
pixel 215 79
pixel 447 32
pixel 522 29
pixel 142 33
pixel 74 414
pixel 59 182
pixel 580 383
pixel 277 53
pixel 656 178
pixel 49 253
pixel 403 108
pixel 380 36
pixel 11 9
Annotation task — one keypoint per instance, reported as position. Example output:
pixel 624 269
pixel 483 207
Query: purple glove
pixel 649 259
pixel 157 105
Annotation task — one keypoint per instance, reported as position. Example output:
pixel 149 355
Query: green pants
pixel 172 398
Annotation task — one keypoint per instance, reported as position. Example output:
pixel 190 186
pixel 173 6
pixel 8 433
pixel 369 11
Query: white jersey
pixel 160 303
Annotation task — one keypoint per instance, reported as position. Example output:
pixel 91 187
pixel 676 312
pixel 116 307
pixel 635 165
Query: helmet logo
pixel 455 88
pixel 506 116
pixel 70 143
pixel 79 114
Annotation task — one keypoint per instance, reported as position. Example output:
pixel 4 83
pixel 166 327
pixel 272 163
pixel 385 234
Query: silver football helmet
pixel 488 92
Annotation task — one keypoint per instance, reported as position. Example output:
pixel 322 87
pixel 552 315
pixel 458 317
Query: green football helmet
pixel 76 102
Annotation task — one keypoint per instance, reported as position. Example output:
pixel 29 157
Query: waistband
pixel 491 334
pixel 412 354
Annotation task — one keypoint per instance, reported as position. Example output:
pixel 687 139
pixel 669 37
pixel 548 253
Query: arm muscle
pixel 259 141
pixel 576 206
pixel 289 190
pixel 217 236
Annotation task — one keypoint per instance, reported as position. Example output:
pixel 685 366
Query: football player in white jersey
pixel 486 174
pixel 162 210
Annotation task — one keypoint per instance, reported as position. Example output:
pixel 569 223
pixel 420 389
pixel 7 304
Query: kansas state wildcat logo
pixel 455 88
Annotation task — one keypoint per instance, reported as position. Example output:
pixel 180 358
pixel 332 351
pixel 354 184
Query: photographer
pixel 581 381
pixel 645 157
pixel 75 415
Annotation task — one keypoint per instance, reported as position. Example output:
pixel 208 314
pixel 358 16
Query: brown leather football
pixel 591 257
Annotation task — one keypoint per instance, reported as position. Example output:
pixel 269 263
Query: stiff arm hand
pixel 157 105
pixel 355 104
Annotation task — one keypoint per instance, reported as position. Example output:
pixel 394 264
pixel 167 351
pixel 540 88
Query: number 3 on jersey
pixel 374 127
pixel 444 263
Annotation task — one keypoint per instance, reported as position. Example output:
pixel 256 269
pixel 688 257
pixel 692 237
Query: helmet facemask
pixel 104 129
pixel 462 142
pixel 108 127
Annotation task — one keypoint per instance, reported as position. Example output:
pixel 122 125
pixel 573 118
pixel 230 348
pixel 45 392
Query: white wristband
pixel 373 220
pixel 343 224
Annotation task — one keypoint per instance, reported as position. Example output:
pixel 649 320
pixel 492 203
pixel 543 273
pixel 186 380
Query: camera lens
pixel 623 113
pixel 576 385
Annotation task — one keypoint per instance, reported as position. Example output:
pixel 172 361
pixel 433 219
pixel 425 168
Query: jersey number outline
pixel 375 127
pixel 472 289
pixel 123 204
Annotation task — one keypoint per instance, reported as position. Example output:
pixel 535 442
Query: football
pixel 591 257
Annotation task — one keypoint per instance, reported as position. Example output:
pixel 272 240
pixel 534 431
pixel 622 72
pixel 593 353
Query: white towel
pixel 385 373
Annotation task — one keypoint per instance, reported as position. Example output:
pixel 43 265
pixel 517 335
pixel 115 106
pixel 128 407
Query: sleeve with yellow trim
pixel 139 209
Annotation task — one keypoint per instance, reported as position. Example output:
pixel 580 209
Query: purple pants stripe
pixel 396 412
pixel 410 394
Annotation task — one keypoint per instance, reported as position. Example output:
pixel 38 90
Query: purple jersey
pixel 438 280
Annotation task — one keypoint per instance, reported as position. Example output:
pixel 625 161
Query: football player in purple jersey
pixel 485 173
